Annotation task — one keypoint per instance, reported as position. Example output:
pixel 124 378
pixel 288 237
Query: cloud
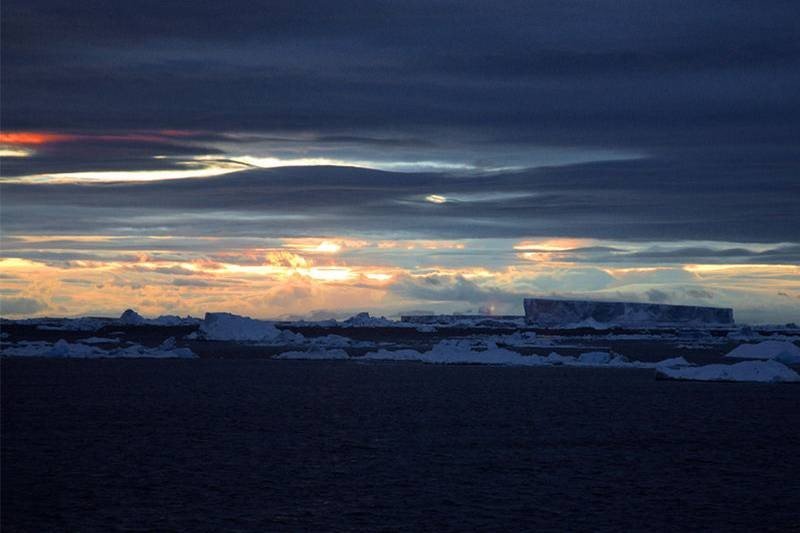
pixel 657 296
pixel 21 306
pixel 450 288
pixel 601 200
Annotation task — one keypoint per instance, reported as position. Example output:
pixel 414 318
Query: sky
pixel 318 158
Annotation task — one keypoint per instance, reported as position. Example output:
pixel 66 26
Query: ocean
pixel 267 445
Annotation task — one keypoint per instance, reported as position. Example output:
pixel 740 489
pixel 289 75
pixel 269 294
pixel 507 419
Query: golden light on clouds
pixel 553 245
pixel 300 275
pixel 436 199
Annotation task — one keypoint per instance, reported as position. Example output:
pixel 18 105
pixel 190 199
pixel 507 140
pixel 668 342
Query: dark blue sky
pixel 670 126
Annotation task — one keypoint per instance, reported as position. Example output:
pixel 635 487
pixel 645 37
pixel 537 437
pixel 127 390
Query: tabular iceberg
pixel 548 312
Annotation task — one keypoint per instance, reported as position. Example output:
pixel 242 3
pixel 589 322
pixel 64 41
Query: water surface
pixel 100 445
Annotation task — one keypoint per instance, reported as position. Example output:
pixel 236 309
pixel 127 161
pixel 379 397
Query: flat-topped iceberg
pixel 553 313
pixel 783 351
pixel 758 371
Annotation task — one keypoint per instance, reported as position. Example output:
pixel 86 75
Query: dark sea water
pixel 259 445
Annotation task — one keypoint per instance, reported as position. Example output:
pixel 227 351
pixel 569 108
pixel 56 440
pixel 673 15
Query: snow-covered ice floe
pixel 62 348
pixel 783 351
pixel 759 371
pixel 230 327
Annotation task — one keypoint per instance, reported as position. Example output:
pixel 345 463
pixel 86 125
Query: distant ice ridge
pixel 462 351
pixel 783 351
pixel 364 320
pixel 62 348
pixel 132 318
pixel 769 371
pixel 128 318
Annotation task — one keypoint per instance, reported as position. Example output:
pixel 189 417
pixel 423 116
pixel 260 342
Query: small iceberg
pixel 782 351
pixel 230 327
pixel 131 318
pixel 769 371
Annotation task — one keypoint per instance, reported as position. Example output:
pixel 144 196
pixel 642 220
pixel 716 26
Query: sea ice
pixel 769 371
pixel 319 353
pixel 783 351
pixel 595 358
pixel 459 351
pixel 63 348
pixel 364 320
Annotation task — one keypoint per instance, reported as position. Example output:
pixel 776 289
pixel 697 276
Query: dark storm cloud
pixel 780 254
pixel 604 72
pixel 636 200
pixel 707 92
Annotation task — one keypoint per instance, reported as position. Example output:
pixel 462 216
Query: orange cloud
pixel 34 137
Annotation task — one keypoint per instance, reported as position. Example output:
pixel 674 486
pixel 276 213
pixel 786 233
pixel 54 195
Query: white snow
pixel 783 351
pixel 335 353
pixel 769 371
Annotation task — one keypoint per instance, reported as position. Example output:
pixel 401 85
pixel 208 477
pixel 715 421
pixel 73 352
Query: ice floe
pixel 62 348
pixel 783 351
pixel 769 371
pixel 464 351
